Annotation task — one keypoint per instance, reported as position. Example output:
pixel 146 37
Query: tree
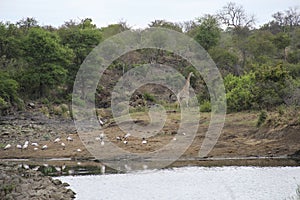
pixel 26 24
pixel 114 29
pixel 261 46
pixel 272 83
pixel 290 18
pixel 284 21
pixel 224 59
pixel 8 93
pixel 236 19
pixel 239 91
pixel 234 16
pixel 46 58
pixel 10 41
pixel 208 32
pixel 81 38
pixel 166 24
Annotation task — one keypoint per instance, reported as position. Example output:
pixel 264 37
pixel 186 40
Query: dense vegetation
pixel 260 66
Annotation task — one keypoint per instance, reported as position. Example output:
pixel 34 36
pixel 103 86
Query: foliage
pixel 8 92
pixel 46 57
pixel 205 106
pixel 149 97
pixel 224 59
pixel 271 82
pixel 166 24
pixel 81 38
pixel 239 91
pixel 260 66
pixel 261 118
pixel 208 32
pixel 260 45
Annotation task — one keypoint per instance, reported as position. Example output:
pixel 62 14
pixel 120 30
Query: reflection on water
pixel 65 167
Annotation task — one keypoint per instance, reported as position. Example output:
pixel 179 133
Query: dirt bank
pixel 240 137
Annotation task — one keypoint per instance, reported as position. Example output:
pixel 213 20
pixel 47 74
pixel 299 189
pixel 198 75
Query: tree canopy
pixel 260 65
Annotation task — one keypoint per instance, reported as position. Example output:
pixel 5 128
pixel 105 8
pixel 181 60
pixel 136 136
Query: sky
pixel 137 13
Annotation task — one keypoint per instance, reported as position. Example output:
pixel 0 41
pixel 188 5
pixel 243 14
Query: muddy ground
pixel 240 137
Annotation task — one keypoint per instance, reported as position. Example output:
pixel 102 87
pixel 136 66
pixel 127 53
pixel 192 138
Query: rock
pixel 17 183
pixel 295 155
pixel 56 182
pixel 65 184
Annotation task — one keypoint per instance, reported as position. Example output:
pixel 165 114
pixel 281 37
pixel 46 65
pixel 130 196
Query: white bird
pixel 174 139
pixel 63 145
pixel 78 150
pixel 35 148
pixel 36 168
pixel 127 135
pixel 19 146
pixel 119 138
pixel 63 167
pixel 128 168
pixel 26 166
pixel 183 133
pixel 100 121
pixel 58 169
pixel 101 136
pixel 144 141
pixel 34 144
pixel 46 165
pixel 125 142
pixel 57 140
pixel 145 166
pixel 25 146
pixel 103 169
pixel 69 139
pixel 44 147
pixel 26 143
pixel 7 146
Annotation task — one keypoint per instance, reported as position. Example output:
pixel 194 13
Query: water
pixel 191 183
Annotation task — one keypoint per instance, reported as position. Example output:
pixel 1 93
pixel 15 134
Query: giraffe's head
pixel 191 74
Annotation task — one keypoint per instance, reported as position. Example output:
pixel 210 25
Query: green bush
pixel 9 93
pixel 149 97
pixel 261 118
pixel 205 106
pixel 239 91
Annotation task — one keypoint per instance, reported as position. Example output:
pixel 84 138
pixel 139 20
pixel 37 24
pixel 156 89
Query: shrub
pixel 149 97
pixel 261 118
pixel 9 93
pixel 205 106
pixel 239 92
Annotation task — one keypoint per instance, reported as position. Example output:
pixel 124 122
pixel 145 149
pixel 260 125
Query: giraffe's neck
pixel 187 84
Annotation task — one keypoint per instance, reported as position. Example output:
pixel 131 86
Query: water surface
pixel 192 183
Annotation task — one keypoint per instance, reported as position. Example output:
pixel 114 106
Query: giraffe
pixel 184 94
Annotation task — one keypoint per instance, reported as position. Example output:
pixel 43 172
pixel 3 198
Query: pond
pixel 190 183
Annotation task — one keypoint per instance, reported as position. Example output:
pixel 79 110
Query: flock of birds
pixel 36 146
pixel 123 139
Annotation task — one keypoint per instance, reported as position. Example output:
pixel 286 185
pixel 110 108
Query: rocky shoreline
pixel 18 183
pixel 28 125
